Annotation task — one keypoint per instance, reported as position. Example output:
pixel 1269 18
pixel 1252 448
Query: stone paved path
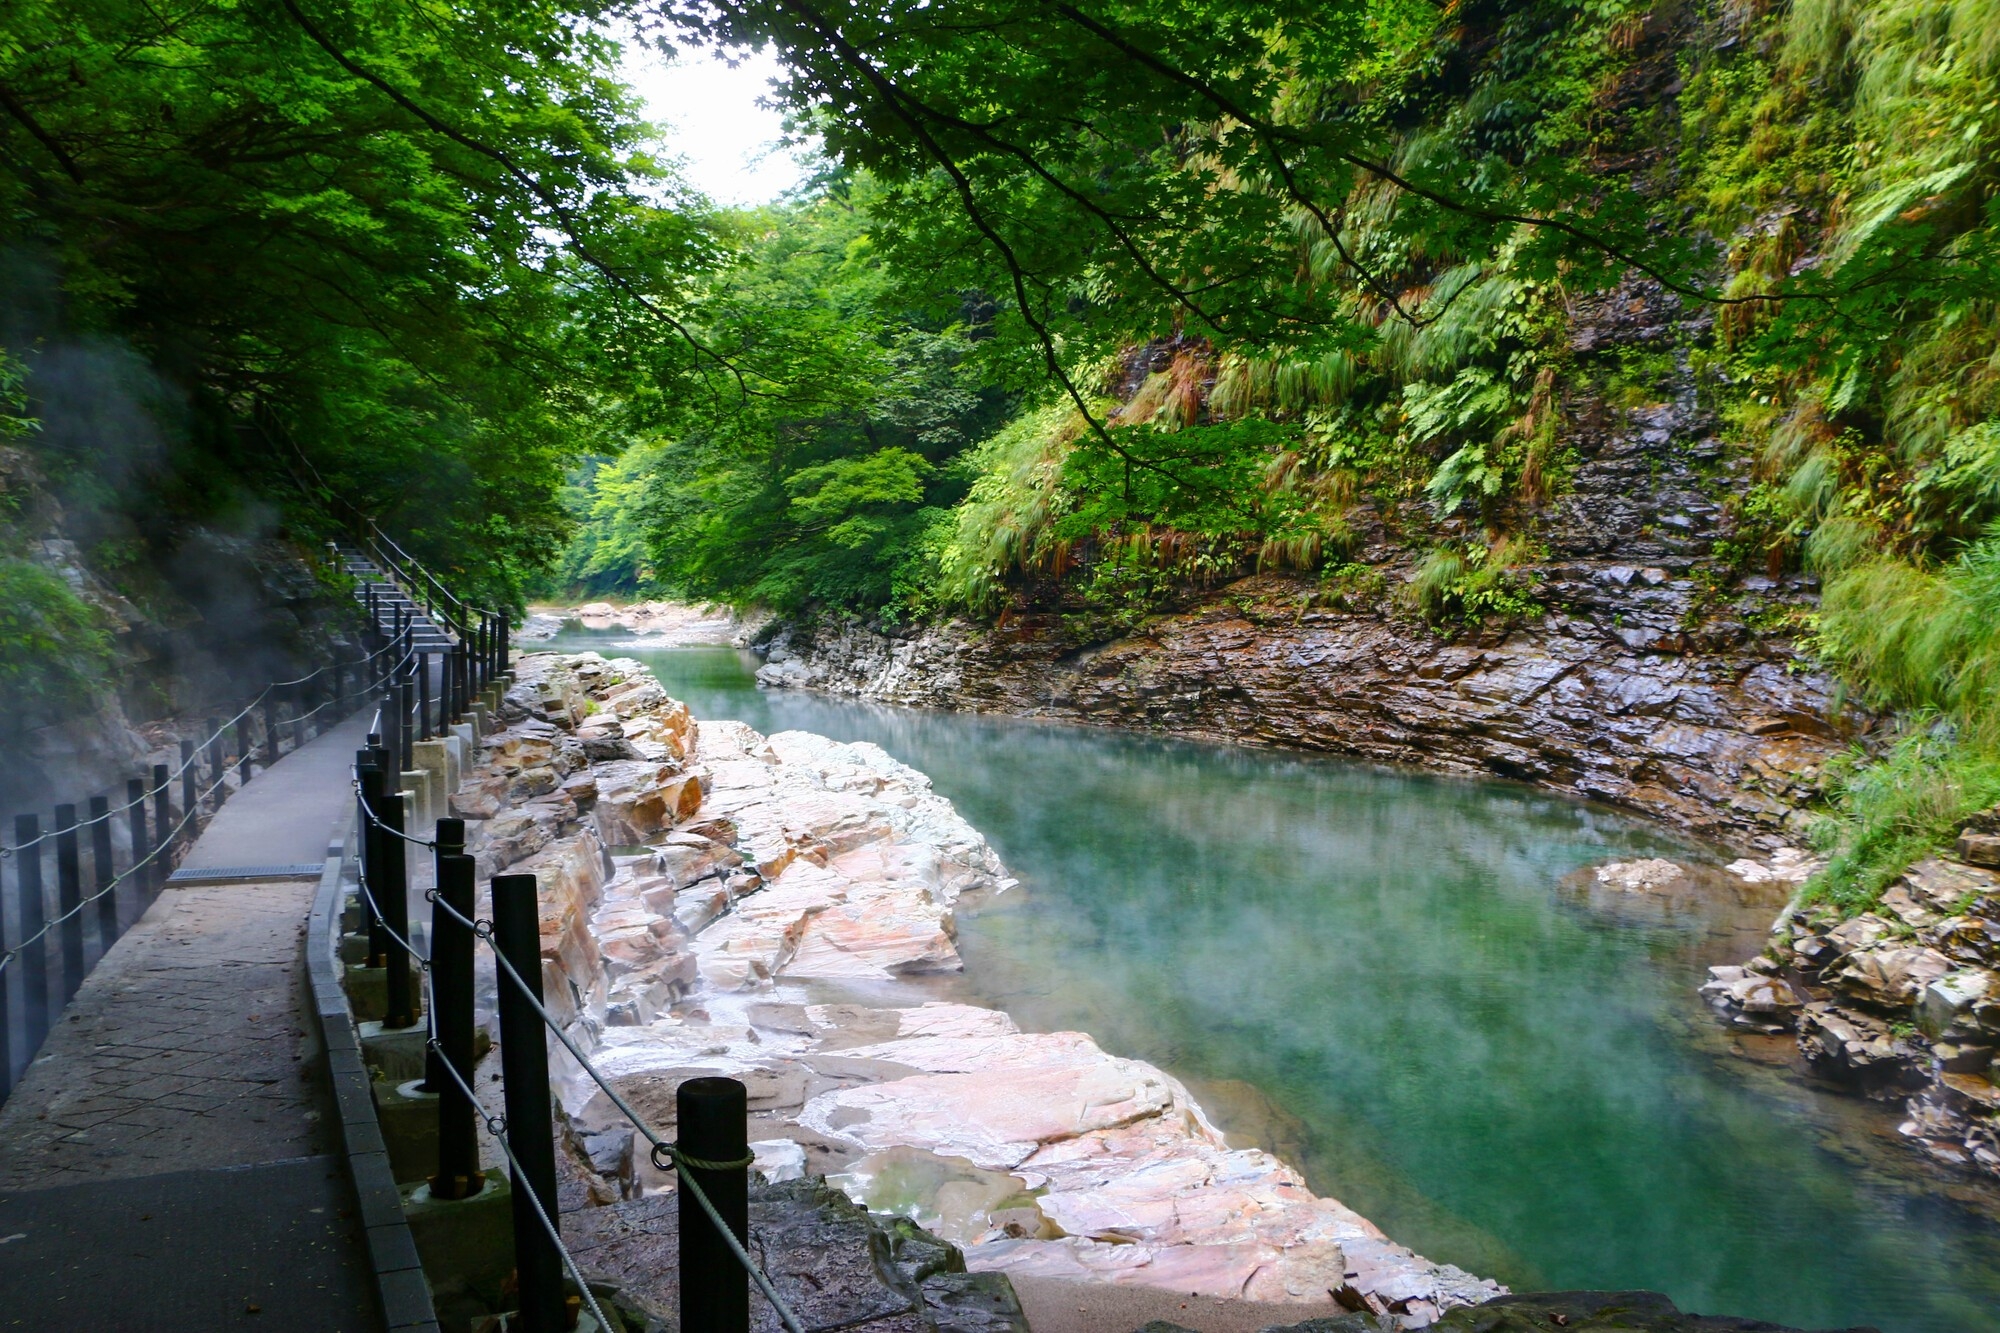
pixel 190 1050
pixel 185 1048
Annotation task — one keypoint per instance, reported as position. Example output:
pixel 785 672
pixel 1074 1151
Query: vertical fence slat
pixel 368 773
pixel 34 957
pixel 103 873
pixel 711 1123
pixel 271 732
pixel 69 898
pixel 391 886
pixel 458 1174
pixel 190 777
pixel 215 764
pixel 6 984
pixel 524 1066
pixel 163 824
pixel 135 796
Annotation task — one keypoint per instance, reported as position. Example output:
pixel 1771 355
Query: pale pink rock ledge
pixel 785 923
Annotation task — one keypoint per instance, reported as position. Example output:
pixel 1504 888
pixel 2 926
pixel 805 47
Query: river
pixel 1401 984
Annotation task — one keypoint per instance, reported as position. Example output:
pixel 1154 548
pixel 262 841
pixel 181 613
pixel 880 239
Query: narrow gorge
pixel 711 893
pixel 1404 985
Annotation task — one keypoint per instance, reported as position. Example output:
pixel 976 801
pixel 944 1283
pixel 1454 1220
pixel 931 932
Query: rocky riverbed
pixel 716 901
pixel 1901 1003
pixel 657 624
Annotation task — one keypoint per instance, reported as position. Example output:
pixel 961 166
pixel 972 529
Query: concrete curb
pixel 399 1276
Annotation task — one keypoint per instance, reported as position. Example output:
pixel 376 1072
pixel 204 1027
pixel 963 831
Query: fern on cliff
pixel 1925 642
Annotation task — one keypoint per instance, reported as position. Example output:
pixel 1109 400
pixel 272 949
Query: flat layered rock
pixel 693 898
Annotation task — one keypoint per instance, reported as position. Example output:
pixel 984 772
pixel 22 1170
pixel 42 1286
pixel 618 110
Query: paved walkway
pixel 284 815
pixel 168 1161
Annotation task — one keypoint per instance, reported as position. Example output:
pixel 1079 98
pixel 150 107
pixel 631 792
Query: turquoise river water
pixel 1401 984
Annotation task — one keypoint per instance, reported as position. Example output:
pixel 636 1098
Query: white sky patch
pixel 729 145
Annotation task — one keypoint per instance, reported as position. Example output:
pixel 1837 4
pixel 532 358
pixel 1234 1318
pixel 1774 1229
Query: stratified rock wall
pixel 1727 744
pixel 1901 1003
pixel 1660 678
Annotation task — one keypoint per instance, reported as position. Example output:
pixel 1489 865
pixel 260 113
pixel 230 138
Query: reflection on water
pixel 1398 983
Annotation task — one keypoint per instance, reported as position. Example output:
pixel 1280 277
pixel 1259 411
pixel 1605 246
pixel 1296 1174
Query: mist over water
pixel 1401 984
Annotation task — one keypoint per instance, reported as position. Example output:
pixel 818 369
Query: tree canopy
pixel 1097 301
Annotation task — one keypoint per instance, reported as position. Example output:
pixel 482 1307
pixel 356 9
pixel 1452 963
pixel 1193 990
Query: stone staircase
pixel 392 603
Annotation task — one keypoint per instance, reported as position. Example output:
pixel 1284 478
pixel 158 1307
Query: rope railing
pixel 166 803
pixel 494 1125
pixel 665 1154
pixel 165 842
pixel 497 1127
pixel 202 745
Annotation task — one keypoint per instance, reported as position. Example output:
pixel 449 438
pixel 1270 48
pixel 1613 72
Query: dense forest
pixel 1093 306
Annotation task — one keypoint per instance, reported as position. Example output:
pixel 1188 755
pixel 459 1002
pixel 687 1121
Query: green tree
pixel 424 245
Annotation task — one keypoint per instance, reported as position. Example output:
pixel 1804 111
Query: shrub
pixel 54 647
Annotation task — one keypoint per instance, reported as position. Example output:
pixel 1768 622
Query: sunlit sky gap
pixel 727 142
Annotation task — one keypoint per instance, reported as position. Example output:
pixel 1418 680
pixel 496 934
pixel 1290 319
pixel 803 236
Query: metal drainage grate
pixel 244 874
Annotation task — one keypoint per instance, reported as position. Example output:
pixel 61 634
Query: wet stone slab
pixel 834 1264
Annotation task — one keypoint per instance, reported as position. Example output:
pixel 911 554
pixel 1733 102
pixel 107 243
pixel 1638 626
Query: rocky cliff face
pixel 1657 678
pixel 197 618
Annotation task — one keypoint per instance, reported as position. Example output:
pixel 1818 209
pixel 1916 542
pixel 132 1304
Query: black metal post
pixel 6 1013
pixel 524 1065
pixel 711 1115
pixel 135 796
pixel 447 840
pixel 34 957
pixel 243 748
pixel 392 740
pixel 299 694
pixel 215 764
pixel 506 663
pixel 369 773
pixel 163 826
pixel 423 696
pixel 69 898
pixel 271 727
pixel 391 887
pixel 190 778
pixel 406 702
pixel 458 1174
pixel 102 872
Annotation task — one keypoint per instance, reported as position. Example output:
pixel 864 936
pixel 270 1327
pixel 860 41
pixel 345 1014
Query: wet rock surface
pixel 705 909
pixel 1723 743
pixel 1549 1312
pixel 1901 1003
pixel 832 1263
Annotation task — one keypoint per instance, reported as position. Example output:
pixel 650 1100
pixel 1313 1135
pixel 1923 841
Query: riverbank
pixel 655 623
pixel 717 901
pixel 1415 989
pixel 1900 1004
pixel 1718 732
